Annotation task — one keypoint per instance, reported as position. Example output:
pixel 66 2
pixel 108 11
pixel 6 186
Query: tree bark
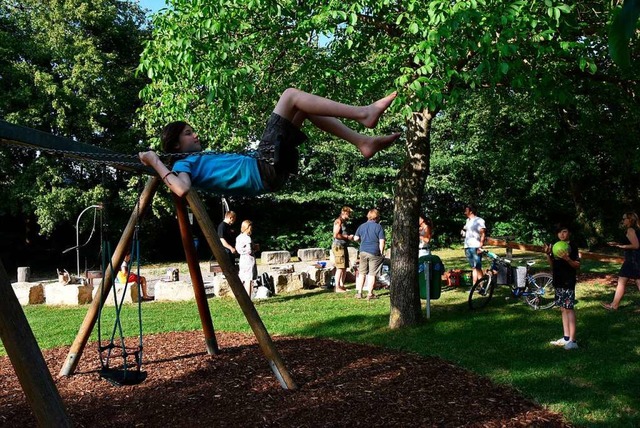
pixel 405 297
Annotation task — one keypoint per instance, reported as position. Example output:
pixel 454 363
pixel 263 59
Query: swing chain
pixel 121 159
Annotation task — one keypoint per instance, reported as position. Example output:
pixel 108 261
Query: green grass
pixel 598 385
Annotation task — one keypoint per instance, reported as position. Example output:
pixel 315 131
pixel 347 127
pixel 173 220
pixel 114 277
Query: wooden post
pixel 196 276
pixel 27 360
pixel 264 340
pixel 73 358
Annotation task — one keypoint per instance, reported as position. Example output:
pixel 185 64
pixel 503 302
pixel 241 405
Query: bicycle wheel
pixel 542 291
pixel 482 292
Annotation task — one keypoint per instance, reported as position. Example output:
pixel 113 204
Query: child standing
pixel 247 264
pixel 565 265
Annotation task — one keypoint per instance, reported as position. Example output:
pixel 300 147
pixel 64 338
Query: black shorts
pixel 278 153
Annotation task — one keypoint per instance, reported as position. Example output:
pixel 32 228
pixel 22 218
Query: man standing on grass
pixel 228 234
pixel 474 236
pixel 339 248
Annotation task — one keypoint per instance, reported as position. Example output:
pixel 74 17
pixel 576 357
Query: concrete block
pixel 174 291
pixel 311 254
pixel 221 287
pixel 289 282
pixel 70 294
pixel 286 268
pixel 318 277
pixel 29 293
pixel 275 257
pixel 36 295
pixel 131 295
pixel 353 256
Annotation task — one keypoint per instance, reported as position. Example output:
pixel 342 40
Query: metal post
pixel 427 283
pixel 78 234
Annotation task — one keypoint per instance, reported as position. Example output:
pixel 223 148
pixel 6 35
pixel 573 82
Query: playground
pixel 461 368
pixel 515 106
pixel 340 384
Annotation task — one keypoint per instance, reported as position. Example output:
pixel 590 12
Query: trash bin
pixel 435 276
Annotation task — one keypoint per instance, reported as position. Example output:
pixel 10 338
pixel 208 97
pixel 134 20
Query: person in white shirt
pixel 474 236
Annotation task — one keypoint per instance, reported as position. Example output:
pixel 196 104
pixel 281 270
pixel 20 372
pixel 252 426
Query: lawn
pixel 596 385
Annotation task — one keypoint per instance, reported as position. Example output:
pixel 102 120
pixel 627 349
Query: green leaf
pixel 621 30
pixel 413 28
pixel 582 63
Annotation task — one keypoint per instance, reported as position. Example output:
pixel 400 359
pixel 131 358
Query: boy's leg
pixel 571 315
pixel 294 100
pixel 367 145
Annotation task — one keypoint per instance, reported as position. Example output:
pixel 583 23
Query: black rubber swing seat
pixel 119 377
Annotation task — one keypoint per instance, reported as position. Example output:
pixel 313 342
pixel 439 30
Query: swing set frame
pixel 15 332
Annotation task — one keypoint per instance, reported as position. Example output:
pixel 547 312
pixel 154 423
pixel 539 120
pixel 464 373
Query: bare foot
pixel 370 147
pixel 375 110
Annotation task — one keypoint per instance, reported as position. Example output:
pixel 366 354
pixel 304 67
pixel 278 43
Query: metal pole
pixel 427 283
pixel 78 235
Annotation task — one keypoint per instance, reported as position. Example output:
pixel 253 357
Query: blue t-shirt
pixel 223 173
pixel 370 234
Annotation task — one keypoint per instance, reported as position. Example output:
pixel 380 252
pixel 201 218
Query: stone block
pixel 174 291
pixel 221 287
pixel 289 282
pixel 70 294
pixel 318 277
pixel 36 295
pixel 275 257
pixel 29 293
pixel 353 256
pixel 286 268
pixel 311 254
pixel 131 295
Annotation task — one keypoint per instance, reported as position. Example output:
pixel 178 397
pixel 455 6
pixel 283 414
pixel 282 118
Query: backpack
pixel 265 280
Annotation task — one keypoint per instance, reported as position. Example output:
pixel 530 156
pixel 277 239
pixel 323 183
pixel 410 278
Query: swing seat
pixel 119 377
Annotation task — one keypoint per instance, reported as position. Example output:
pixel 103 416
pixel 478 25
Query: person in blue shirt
pixel 372 241
pixel 236 174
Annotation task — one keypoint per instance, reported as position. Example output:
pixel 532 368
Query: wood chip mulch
pixel 339 384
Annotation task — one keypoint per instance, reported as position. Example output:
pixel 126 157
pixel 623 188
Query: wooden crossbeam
pixel 17 135
pixel 540 249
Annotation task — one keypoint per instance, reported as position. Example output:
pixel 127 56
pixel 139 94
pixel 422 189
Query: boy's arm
pixel 179 184
pixel 573 263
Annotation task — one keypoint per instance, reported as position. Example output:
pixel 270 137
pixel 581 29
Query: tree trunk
pixel 405 297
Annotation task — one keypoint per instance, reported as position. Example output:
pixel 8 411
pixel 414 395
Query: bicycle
pixel 537 291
